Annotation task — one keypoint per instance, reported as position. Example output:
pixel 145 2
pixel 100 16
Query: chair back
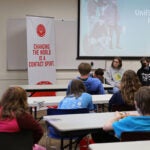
pixel 43 93
pixel 53 111
pixel 135 136
pixel 116 107
pixel 16 141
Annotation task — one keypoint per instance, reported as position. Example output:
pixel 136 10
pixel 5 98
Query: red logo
pixel 41 30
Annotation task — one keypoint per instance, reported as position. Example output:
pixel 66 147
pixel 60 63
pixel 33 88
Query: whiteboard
pixel 16 44
pixel 65 45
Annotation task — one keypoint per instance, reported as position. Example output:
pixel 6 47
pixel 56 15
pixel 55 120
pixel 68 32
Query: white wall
pixel 60 9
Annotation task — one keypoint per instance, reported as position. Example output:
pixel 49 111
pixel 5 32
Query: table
pixel 38 102
pixel 40 88
pixel 107 86
pixel 136 145
pixel 54 100
pixel 77 124
pixel 52 87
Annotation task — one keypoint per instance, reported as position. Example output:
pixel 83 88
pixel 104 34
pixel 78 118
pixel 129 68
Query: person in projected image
pixel 103 29
pixel 93 13
pixel 96 41
pixel 110 16
pixel 96 37
pixel 144 72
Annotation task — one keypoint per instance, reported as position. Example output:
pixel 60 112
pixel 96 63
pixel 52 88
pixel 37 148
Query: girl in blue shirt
pixel 77 98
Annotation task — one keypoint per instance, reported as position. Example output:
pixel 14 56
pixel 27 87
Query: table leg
pixel 35 112
pixel 70 143
pixel 30 109
pixel 62 144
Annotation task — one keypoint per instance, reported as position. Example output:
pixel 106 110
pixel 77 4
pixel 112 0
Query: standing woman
pixel 130 83
pixel 15 116
pixel 77 98
pixel 114 74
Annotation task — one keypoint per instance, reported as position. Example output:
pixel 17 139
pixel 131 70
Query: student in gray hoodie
pixel 114 74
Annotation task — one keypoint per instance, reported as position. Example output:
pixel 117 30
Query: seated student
pixel 77 98
pixel 99 73
pixel 114 74
pixel 129 85
pixel 129 122
pixel 14 113
pixel 93 85
pixel 123 122
pixel 144 72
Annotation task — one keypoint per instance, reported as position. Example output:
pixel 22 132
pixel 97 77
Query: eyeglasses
pixel 116 61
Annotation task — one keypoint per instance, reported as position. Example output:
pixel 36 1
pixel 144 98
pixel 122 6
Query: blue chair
pixel 51 132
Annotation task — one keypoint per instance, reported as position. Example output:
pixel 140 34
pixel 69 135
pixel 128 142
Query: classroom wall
pixel 51 8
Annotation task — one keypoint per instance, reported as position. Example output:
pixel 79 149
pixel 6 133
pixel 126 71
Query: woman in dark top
pixel 14 114
pixel 129 85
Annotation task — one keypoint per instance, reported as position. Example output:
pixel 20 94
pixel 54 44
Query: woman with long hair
pixel 129 85
pixel 15 116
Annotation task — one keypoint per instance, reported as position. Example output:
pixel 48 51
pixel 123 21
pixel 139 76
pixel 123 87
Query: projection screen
pixel 108 28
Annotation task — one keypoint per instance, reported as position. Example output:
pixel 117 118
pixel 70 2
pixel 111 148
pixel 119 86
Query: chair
pixel 38 94
pixel 16 141
pixel 51 132
pixel 116 107
pixel 135 136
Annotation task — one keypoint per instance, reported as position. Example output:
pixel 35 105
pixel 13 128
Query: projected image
pixel 111 28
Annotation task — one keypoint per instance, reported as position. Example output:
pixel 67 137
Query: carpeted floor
pixel 50 144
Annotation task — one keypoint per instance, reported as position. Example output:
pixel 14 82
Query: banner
pixel 41 50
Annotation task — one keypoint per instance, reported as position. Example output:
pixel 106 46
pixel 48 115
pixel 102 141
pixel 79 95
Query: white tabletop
pixel 137 145
pixel 54 100
pixel 74 122
pixel 51 87
pixel 107 86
